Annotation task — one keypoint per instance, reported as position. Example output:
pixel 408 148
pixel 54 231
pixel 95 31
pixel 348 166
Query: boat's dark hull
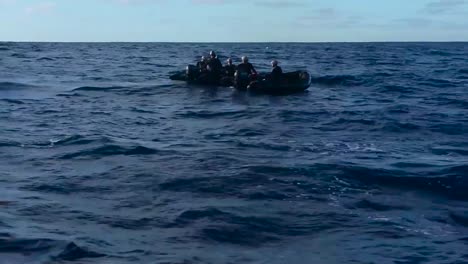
pixel 290 83
pixel 193 76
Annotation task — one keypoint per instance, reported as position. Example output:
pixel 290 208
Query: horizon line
pixel 241 42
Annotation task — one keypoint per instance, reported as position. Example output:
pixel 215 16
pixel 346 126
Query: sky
pixel 233 20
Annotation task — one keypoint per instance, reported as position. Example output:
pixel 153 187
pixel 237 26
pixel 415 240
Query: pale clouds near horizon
pixel 233 20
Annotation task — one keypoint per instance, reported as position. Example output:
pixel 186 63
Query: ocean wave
pixel 211 114
pixel 158 65
pixel 15 86
pixel 243 133
pixel 131 224
pixel 237 186
pixel 268 171
pixel 12 101
pixel 64 187
pixel 384 230
pixel 9 144
pixel 231 229
pixel 449 150
pixel 383 74
pixel 64 58
pixel 80 140
pixel 376 206
pixel 236 235
pixel 98 89
pixel 263 145
pixel 441 53
pixel 189 216
pixel 254 231
pixel 460 218
pixel 460 102
pixel 140 110
pixel 147 90
pixel 258 183
pixel 448 181
pixel 110 150
pixel 222 186
pixel 73 140
pixel 20 56
pixel 338 80
pixel 42 250
pixel 97 78
pixel 399 109
pixel 45 59
pixel 344 121
pixel 396 88
pixel 69 95
pixel 396 126
pixel 72 252
pixel 438 83
pixel 451 128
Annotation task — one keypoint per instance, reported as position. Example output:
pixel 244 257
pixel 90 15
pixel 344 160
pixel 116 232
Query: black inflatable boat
pixel 289 83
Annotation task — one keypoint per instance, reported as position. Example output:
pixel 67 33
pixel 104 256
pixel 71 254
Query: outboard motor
pixel 303 75
pixel 192 72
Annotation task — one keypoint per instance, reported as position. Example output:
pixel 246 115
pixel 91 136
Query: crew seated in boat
pixel 245 74
pixel 214 65
pixel 246 67
pixel 202 64
pixel 276 72
pixel 230 68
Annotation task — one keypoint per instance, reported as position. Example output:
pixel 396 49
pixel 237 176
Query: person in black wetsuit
pixel 246 67
pixel 229 68
pixel 276 73
pixel 214 65
pixel 202 64
pixel 245 74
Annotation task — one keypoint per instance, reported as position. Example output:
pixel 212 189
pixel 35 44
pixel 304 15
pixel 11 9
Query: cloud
pixel 280 4
pixel 331 14
pixel 413 22
pixel 321 14
pixel 420 24
pixel 136 2
pixel 263 3
pixel 7 2
pixel 330 18
pixel 126 2
pixel 444 6
pixel 208 2
pixel 40 8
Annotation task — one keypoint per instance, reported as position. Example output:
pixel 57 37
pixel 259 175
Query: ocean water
pixel 103 159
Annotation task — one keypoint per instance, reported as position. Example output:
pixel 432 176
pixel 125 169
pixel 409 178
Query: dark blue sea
pixel 103 159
